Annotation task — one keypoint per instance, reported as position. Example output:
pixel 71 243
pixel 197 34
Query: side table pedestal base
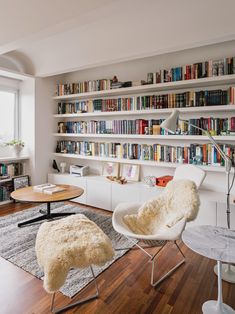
pixel 213 307
pixel 228 272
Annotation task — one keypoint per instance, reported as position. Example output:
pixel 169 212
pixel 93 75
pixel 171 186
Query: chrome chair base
pixel 84 300
pixel 153 258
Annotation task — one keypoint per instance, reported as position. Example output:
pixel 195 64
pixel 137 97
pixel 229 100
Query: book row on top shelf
pixel 201 98
pixel 200 154
pixel 211 68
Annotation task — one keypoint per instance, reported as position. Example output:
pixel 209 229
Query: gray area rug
pixel 17 244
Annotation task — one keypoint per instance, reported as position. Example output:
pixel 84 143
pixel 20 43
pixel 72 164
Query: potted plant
pixel 17 145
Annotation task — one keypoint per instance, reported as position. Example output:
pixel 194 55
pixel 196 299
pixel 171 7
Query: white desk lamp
pixel 171 124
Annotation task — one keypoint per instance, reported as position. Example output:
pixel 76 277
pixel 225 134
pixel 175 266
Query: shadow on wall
pixel 17 61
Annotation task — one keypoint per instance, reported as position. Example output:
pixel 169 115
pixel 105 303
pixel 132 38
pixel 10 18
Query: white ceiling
pixel 57 36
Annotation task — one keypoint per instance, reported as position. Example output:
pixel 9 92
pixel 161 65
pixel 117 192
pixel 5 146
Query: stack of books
pixel 48 188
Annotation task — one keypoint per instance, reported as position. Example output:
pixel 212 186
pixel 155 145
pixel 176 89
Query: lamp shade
pixel 170 124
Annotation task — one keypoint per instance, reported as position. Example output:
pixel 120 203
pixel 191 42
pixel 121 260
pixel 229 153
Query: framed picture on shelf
pixel 20 182
pixel 130 172
pixel 110 169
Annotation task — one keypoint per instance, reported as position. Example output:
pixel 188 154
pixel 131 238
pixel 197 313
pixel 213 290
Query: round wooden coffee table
pixel 29 195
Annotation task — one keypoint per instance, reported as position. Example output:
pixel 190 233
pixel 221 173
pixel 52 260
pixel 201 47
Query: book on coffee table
pixel 53 190
pixel 42 187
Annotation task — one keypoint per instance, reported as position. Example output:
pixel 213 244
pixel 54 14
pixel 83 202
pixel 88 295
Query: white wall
pixel 43 128
pixel 27 122
pixel 138 69
pixel 125 30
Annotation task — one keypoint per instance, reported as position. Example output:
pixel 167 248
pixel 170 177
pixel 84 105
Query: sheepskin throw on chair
pixel 74 241
pixel 179 199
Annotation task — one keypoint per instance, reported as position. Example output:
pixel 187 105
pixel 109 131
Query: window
pixel 9 125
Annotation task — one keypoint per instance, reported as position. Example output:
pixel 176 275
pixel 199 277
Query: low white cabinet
pixel 124 193
pixel 147 193
pixel 102 193
pixel 98 193
pixel 58 178
pixel 206 214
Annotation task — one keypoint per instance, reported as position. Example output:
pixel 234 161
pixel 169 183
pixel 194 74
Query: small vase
pixel 17 150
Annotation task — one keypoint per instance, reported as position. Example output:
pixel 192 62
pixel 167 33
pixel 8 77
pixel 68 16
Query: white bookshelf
pixel 137 162
pixel 195 83
pixel 149 137
pixel 5 202
pixel 175 87
pixel 9 159
pixel 157 112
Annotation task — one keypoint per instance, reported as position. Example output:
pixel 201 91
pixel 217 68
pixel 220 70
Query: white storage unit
pixel 146 193
pixel 71 180
pixel 206 214
pixel 99 192
pixel 125 193
pixel 102 193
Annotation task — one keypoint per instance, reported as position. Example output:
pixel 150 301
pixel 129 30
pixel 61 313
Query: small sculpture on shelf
pixel 150 181
pixel 116 83
pixel 54 165
pixel 63 166
pixel 118 179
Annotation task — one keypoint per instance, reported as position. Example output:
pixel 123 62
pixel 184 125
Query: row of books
pixel 11 169
pixel 179 100
pixel 5 191
pixel 83 87
pixel 198 70
pixel 216 126
pixel 205 154
pixel 138 126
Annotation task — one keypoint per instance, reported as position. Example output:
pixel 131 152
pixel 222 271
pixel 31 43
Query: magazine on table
pixel 48 188
pixel 53 190
pixel 42 187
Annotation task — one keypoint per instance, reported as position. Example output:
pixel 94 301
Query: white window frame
pixel 16 109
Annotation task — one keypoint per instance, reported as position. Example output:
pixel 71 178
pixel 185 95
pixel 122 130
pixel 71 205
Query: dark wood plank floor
pixel 124 286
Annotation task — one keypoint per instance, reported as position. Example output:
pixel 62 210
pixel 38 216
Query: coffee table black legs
pixel 47 216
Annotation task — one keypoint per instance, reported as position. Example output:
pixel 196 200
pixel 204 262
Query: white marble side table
pixel 216 243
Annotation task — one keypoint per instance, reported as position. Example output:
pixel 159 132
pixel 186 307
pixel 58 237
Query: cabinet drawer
pixel 99 194
pixel 206 215
pixel 147 193
pixel 124 193
pixel 71 180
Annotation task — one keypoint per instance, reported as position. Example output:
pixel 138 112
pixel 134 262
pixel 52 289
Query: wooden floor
pixel 124 286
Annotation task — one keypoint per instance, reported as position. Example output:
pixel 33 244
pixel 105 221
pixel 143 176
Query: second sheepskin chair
pixel 161 219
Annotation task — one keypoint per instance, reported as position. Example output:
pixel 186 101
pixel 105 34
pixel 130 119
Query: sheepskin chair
pixel 159 220
pixel 179 200
pixel 71 242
